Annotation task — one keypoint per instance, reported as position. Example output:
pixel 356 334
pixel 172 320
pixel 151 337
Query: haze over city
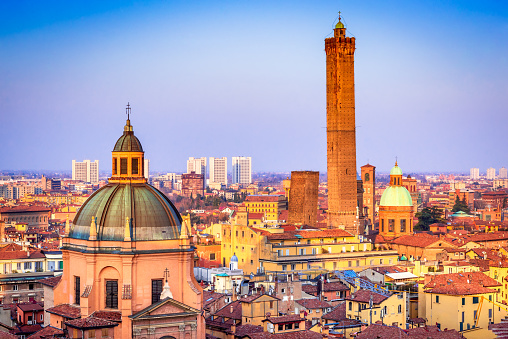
pixel 248 78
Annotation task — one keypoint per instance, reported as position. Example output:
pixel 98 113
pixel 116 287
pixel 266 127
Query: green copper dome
pixel 396 196
pixel 153 215
pixel 396 170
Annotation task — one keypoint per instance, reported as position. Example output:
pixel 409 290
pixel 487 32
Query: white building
pixel 218 171
pixel 86 171
pixel 242 170
pixel 197 165
pixel 503 173
pixel 147 169
pixel 491 173
pixel 474 174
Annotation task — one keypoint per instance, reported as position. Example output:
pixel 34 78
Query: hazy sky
pixel 229 78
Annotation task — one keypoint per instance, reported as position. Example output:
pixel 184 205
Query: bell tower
pixel 340 130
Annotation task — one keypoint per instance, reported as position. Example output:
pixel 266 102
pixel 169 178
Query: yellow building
pixel 457 301
pixel 391 310
pixel 269 205
pixel 58 199
pixel 308 251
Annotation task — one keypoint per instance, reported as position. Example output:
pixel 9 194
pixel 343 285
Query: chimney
pixel 231 309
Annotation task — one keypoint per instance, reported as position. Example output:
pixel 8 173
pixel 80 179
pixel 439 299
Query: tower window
pixel 123 165
pixel 367 177
pixel 135 165
pixel 156 290
pixel 112 293
pixel 403 225
pixel 115 161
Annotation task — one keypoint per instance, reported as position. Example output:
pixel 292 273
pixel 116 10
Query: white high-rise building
pixel 87 171
pixel 474 174
pixel 146 169
pixel 242 170
pixel 491 173
pixel 197 165
pixel 218 170
pixel 503 173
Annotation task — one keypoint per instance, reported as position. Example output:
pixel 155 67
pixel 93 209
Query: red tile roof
pixel 337 313
pixel 232 310
pixel 460 289
pixel 311 304
pixel 262 198
pixel 108 315
pixel 45 333
pixel 51 282
pixel 90 322
pixel 285 319
pixel 464 278
pixel 66 311
pixel 307 234
pixel 382 332
pixel 363 296
pixel 243 330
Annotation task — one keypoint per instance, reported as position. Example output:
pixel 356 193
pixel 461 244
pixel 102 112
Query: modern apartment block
pixel 87 171
pixel 242 170
pixel 503 173
pixel 474 173
pixel 491 173
pixel 219 170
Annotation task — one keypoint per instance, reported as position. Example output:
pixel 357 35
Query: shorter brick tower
pixel 369 191
pixel 303 201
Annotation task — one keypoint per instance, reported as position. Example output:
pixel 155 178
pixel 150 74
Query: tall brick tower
pixel 340 130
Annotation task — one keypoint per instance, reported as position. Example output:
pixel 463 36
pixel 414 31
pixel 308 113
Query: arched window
pixel 367 176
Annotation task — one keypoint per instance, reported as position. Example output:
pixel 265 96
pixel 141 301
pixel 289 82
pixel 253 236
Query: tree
pixel 428 216
pixel 460 205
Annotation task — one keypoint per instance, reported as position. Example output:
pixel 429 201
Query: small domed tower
pixel 395 208
pixel 125 241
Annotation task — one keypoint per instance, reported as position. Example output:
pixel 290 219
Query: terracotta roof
pixel 465 278
pixel 45 333
pixel 243 330
pixel 232 310
pixel 337 313
pixel 51 282
pixel 66 311
pixel 108 315
pixel 210 297
pixel 90 322
pixel 285 319
pixel 433 332
pixel 363 296
pixel 460 289
pixel 307 234
pixel 289 335
pixel 24 208
pixel 30 307
pixel 381 332
pixel 420 240
pixel 311 304
pixel 262 198
pixel 327 287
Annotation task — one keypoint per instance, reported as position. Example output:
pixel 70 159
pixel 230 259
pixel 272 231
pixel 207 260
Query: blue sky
pixel 229 78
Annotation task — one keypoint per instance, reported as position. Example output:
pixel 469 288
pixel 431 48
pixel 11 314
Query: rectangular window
pixel 105 332
pixel 91 333
pixel 112 294
pixel 212 256
pixel 135 165
pixel 463 303
pixel 284 267
pixel 115 164
pixel 15 287
pixel 156 290
pixel 123 165
pixel 403 225
pixel 391 225
pixel 475 300
pixel 77 290
pixel 281 327
pixel 437 298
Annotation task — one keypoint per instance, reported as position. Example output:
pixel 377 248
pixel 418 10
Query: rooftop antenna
pixel 396 161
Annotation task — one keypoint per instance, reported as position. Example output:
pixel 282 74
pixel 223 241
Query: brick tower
pixel 303 201
pixel 340 130
pixel 369 191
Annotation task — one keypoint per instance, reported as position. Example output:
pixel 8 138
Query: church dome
pixel 127 208
pixel 152 215
pixel 396 170
pixel 396 196
pixel 234 258
pixel 128 142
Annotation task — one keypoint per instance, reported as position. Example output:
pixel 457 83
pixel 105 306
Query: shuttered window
pixel 135 165
pixel 156 290
pixel 123 165
pixel 77 290
pixel 111 294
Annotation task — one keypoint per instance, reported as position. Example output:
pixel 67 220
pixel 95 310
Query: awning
pixel 401 275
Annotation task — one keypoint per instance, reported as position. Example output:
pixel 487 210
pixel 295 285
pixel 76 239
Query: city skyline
pixel 245 76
